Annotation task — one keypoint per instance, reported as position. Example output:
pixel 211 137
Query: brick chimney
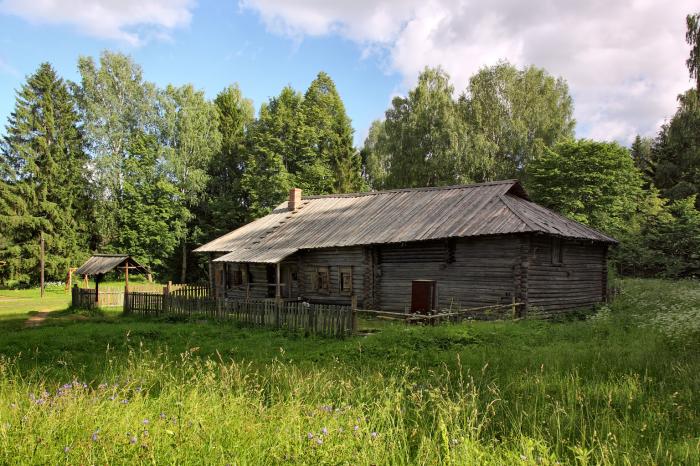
pixel 294 199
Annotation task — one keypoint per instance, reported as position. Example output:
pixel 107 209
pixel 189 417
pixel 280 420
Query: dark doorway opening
pixel 423 296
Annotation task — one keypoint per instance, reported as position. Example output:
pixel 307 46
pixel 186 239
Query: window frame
pixel 345 271
pixel 557 251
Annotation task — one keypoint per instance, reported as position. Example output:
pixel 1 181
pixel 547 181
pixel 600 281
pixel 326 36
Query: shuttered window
pixel 557 252
pixel 323 280
pixel 346 280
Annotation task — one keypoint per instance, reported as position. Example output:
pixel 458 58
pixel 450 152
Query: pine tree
pixel 44 181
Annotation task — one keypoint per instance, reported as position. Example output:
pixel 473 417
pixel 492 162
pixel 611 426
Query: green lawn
pixel 619 388
pixel 17 303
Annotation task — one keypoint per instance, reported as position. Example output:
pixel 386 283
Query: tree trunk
pixel 183 273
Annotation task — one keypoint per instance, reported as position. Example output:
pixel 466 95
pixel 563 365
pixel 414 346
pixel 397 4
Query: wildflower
pixel 309 435
pixel 66 449
pixel 523 457
pixel 455 441
pixel 374 434
pixel 125 401
pixel 145 433
pixel 102 386
pixel 324 431
pixel 356 428
pixel 162 415
pixel 95 435
pixel 111 398
pixel 132 440
pixel 146 422
pixel 319 441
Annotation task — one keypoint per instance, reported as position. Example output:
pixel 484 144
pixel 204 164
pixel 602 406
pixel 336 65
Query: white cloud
pixel 130 21
pixel 624 60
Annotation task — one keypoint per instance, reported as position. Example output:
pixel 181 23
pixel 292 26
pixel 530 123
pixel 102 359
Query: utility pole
pixel 41 261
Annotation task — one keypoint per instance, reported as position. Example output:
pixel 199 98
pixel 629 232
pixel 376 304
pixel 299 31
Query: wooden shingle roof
pixel 103 263
pixel 395 216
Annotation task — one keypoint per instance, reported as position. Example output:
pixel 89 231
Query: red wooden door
pixel 422 296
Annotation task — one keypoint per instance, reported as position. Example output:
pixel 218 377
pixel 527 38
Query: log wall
pixel 334 259
pixel 471 273
pixel 578 282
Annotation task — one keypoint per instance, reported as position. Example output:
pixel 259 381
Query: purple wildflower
pixel 309 435
pixel 319 441
pixel 66 449
pixel 132 440
pixel 125 401
pixel 373 434
pixel 162 415
pixel 145 422
pixel 356 428
pixel 95 436
pixel 324 431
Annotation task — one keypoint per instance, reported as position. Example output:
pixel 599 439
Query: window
pixel 346 280
pixel 323 280
pixel 235 278
pixel 557 252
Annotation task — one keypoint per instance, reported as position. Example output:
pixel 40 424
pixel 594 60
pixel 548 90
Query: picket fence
pixel 314 319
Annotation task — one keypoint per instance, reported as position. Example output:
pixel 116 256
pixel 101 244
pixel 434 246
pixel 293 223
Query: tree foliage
pixel 43 181
pixel 332 133
pixel 424 140
pixel 595 183
pixel 504 120
pixel 190 137
pixel 116 105
pixel 520 112
pixel 152 220
pixel 676 151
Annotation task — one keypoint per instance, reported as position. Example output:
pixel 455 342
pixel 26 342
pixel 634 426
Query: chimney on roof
pixel 294 199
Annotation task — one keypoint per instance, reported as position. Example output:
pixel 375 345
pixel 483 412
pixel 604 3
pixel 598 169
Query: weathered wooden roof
pixel 395 216
pixel 103 263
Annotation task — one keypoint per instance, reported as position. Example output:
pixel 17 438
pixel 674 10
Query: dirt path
pixel 36 319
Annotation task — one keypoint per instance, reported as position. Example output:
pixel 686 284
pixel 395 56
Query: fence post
pixel 353 311
pixel 165 307
pixel 74 295
pixel 278 303
pixel 125 306
pixel 513 308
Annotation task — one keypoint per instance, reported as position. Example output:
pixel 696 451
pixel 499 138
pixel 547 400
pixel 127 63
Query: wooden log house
pixel 415 250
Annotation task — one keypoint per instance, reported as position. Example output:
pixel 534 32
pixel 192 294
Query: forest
pixel 114 163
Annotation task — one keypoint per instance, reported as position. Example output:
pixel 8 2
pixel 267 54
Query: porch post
pixel 278 288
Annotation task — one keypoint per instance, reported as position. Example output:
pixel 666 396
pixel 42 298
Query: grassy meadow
pixel 620 387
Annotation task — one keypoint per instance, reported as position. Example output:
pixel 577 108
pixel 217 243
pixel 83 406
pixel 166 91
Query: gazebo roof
pixel 103 263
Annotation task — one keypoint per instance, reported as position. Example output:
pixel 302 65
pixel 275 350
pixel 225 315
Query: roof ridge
pixel 419 189
pixel 522 218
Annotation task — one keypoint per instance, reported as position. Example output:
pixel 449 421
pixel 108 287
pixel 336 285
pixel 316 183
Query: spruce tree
pixel 224 207
pixel 325 113
pixel 44 180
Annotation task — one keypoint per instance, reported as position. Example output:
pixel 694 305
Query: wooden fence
pixel 108 297
pixel 315 319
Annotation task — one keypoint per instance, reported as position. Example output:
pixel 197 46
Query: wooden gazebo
pixel 100 264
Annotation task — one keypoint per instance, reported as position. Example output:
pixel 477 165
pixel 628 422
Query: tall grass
pixel 614 389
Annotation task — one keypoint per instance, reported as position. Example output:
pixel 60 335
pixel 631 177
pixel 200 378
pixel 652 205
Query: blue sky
pixel 624 61
pixel 222 45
